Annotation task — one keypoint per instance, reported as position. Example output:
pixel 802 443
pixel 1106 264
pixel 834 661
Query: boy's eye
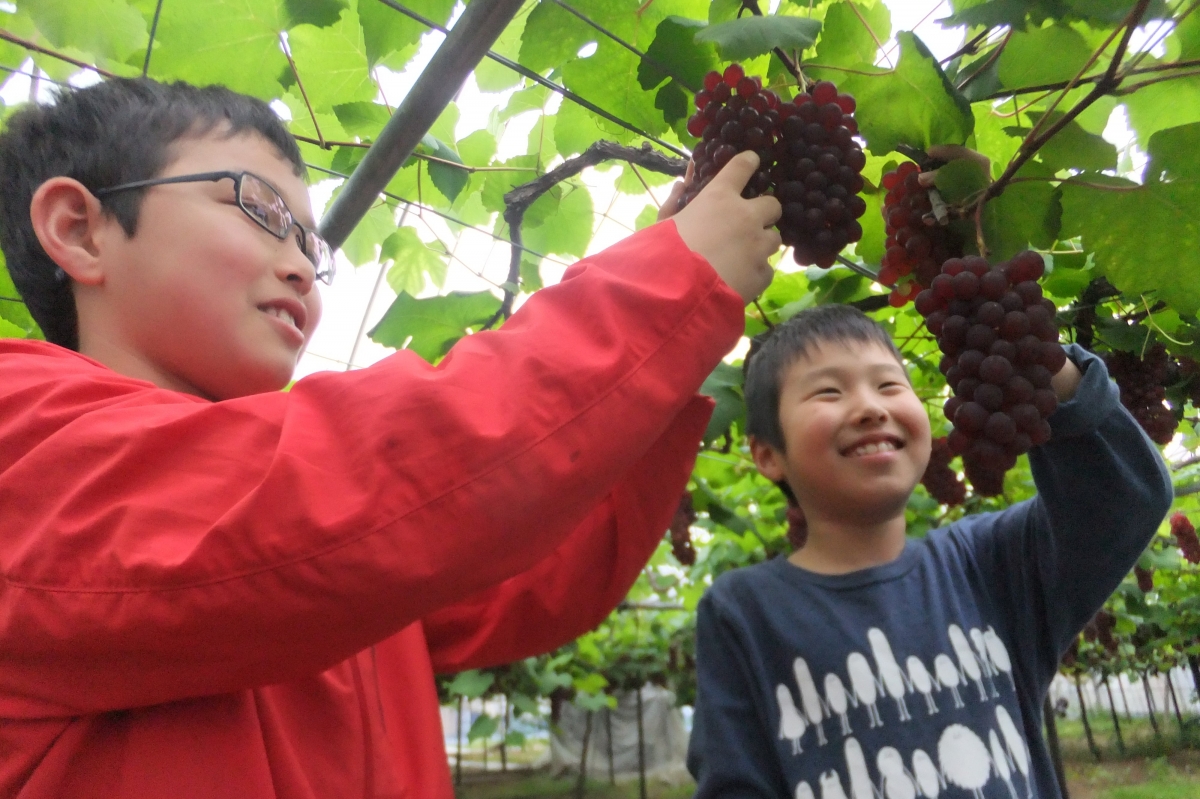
pixel 258 211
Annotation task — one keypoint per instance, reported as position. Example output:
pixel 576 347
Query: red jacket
pixel 249 598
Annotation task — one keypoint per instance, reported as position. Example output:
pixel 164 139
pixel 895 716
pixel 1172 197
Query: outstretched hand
pixel 734 234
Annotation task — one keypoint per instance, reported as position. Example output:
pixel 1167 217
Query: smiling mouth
pixel 874 448
pixel 281 313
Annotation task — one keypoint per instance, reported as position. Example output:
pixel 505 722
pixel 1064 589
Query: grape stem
pixel 991 59
pixel 36 48
pixel 791 66
pixel 1104 85
pixel 518 201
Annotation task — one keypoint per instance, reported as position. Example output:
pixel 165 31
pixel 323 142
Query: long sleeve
pixel 729 753
pixel 573 589
pixel 159 547
pixel 1103 490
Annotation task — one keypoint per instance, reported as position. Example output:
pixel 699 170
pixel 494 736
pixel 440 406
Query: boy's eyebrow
pixel 836 371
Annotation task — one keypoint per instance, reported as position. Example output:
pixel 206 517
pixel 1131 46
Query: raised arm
pixel 159 547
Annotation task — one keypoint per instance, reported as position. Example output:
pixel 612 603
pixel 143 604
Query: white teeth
pixel 872 449
pixel 280 313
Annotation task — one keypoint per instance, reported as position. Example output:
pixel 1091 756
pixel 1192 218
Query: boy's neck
pixel 844 547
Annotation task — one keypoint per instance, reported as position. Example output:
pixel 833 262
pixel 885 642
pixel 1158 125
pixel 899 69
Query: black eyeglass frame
pixel 324 274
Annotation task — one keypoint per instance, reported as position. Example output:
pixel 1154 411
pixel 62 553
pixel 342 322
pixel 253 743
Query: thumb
pixel 737 173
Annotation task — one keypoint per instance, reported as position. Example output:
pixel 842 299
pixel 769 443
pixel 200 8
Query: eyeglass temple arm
pixel 140 184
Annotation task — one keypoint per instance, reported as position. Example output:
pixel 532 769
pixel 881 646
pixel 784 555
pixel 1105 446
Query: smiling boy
pixel 213 588
pixel 868 664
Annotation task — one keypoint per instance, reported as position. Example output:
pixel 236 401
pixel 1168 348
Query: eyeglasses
pixel 262 203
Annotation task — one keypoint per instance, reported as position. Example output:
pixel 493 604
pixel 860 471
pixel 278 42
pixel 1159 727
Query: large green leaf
pixel 566 226
pixel 552 37
pixel 471 684
pixel 846 35
pixel 675 53
pixel 610 80
pixel 1163 105
pixel 332 62
pixel 387 31
pixel 753 36
pixel 314 12
pixel 725 386
pixel 1074 148
pixel 1027 213
pixel 913 104
pixel 361 246
pixel 216 41
pixel 1145 238
pixel 105 28
pixel 412 261
pixel 430 327
pixel 1043 55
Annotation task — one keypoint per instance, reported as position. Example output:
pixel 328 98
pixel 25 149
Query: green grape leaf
pixel 1042 55
pixel 412 261
pixel 9 330
pixel 724 385
pixel 1173 155
pixel 484 727
pixel 913 104
pixel 491 76
pixel 552 37
pixel 987 13
pixel 646 218
pixel 567 228
pixel 1027 213
pixel 524 704
pixel 752 36
pixel 845 38
pixel 471 684
pixel 321 13
pixel 332 62
pixel 1145 238
pixel 1163 105
pixel 387 31
pixel 1074 148
pixel 362 119
pixel 514 738
pixel 477 148
pixel 214 41
pixel 676 54
pixel 379 223
pixel 449 180
pixel 609 79
pixel 576 129
pixel 430 327
pixel 106 28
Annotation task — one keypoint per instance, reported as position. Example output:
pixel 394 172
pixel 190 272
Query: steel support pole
pixel 470 38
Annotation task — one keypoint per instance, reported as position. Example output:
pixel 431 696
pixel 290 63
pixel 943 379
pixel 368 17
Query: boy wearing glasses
pixel 213 588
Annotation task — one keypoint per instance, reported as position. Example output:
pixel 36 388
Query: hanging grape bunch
pixel 1000 342
pixel 1141 381
pixel 916 244
pixel 681 533
pixel 807 157
pixel 939 479
pixel 1145 579
pixel 1185 537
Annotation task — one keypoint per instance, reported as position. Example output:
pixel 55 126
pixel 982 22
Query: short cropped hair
pixel 113 132
pixel 788 343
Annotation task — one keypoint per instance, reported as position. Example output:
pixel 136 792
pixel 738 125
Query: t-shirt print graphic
pixel 965 760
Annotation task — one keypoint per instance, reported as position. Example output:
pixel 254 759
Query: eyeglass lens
pixel 266 207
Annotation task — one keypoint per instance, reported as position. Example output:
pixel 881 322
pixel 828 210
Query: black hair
pixel 113 132
pixel 790 342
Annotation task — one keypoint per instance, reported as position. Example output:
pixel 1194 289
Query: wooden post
pixel 580 784
pixel 504 737
pixel 1052 743
pixel 612 771
pixel 1116 721
pixel 1087 728
pixel 1175 702
pixel 1124 698
pixel 1150 704
pixel 458 755
pixel 641 747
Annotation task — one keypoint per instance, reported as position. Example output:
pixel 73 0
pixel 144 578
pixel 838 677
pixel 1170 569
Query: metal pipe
pixel 470 38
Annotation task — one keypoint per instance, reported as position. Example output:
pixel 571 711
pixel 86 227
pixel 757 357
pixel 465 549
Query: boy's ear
pixel 768 459
pixel 67 219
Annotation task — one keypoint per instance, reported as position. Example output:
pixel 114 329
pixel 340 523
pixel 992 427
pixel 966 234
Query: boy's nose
pixel 295 269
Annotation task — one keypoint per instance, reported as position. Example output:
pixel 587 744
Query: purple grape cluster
pixel 1000 343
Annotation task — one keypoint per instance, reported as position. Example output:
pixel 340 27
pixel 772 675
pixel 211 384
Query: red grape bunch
pixel 681 533
pixel 1000 342
pixel 1141 380
pixel 939 479
pixel 808 157
pixel 733 114
pixel 1145 579
pixel 915 248
pixel 816 175
pixel 1185 537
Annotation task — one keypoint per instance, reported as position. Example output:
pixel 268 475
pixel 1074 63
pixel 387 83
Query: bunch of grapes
pixel 1000 342
pixel 1145 578
pixel 916 244
pixel 1100 629
pixel 681 533
pixel 939 479
pixel 1141 381
pixel 1185 537
pixel 807 157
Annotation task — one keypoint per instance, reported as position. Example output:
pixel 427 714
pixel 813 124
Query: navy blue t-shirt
pixel 925 676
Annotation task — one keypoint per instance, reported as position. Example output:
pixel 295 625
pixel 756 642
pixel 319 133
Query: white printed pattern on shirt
pixel 966 761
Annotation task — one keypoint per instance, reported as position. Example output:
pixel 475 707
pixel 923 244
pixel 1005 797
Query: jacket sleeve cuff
pixel 1095 398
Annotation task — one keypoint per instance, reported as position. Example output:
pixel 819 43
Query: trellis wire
pixel 549 84
pixel 150 44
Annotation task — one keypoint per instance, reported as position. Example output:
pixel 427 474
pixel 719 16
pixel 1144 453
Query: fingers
pixel 737 173
pixel 690 175
pixel 766 209
pixel 669 208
